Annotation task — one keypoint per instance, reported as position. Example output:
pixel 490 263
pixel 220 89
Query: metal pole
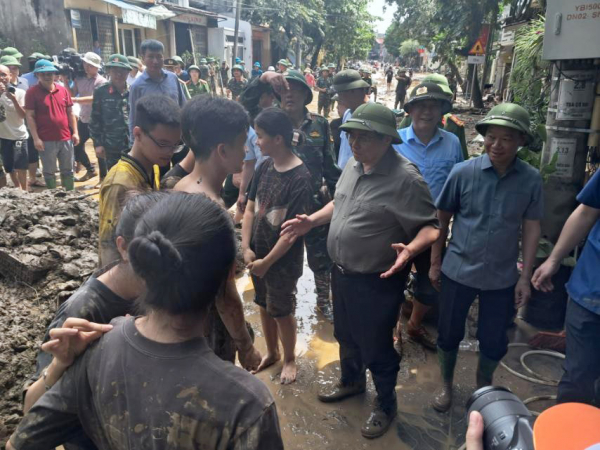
pixel 472 85
pixel 236 32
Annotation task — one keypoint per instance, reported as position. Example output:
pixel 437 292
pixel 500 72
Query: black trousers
pixel 80 155
pixel 365 311
pixel 581 380
pixel 496 309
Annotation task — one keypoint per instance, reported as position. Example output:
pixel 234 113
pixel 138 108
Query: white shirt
pixel 13 128
pixel 131 79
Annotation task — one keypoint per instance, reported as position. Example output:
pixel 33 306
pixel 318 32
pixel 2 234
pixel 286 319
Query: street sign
pixel 477 49
pixel 476 59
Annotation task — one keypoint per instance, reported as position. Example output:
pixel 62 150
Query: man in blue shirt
pixel 351 90
pixel 154 80
pixel 495 199
pixel 581 380
pixel 434 151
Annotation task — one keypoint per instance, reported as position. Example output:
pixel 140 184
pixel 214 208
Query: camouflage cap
pixel 508 115
pixel 373 117
pixel 347 80
pixel 429 91
pixel 118 61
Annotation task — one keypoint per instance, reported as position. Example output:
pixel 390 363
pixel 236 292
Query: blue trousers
pixel 581 380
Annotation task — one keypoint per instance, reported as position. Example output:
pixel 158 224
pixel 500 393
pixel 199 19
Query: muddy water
pixel 308 423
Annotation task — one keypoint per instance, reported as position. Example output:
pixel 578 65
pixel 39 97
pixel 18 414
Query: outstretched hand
pixel 403 256
pixel 297 227
pixel 69 341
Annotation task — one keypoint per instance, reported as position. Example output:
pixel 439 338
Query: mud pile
pixel 48 246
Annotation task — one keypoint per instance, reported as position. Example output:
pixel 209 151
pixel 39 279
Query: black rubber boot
pixel 485 371
pixel 443 396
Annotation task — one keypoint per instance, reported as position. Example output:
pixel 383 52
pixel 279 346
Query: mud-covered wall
pixel 34 25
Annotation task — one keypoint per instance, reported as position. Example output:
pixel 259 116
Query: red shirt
pixel 50 110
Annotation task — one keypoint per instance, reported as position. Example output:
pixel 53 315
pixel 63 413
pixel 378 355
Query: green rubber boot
pixel 50 183
pixel 68 182
pixel 442 399
pixel 485 371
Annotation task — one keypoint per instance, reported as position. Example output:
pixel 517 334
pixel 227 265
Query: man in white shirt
pixel 13 132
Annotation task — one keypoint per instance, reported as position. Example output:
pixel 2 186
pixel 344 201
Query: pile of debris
pixel 48 246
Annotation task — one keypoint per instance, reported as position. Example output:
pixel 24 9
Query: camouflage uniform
pixel 449 123
pixel 109 124
pixel 236 87
pixel 317 155
pixel 324 102
pixel 197 89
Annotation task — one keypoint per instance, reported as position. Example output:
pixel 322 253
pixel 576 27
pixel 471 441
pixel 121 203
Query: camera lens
pixel 508 422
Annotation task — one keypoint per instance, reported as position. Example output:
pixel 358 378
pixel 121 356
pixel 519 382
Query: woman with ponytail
pixel 152 382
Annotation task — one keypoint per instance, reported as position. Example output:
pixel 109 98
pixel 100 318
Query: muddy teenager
pixel 280 190
pixel 108 293
pixel 215 129
pixel 192 398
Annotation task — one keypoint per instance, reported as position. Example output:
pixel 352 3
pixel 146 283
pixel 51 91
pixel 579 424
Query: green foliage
pixel 535 159
pixel 343 28
pixel 409 48
pixel 530 78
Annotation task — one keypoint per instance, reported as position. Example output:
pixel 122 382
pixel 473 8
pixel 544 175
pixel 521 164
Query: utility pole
pixel 236 32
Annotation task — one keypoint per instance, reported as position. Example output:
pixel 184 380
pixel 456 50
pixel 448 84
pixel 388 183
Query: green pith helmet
pixel 323 69
pixel 210 60
pixel 36 56
pixel 203 61
pixel 373 117
pixel 507 115
pixel 237 67
pixel 348 79
pixel 170 62
pixel 133 61
pixel 177 58
pixel 9 60
pixel 441 81
pixel 118 61
pixel 194 67
pixel 283 62
pixel 11 51
pixel 331 66
pixel 296 76
pixel 429 91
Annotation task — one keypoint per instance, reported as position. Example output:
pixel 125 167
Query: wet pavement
pixel 308 423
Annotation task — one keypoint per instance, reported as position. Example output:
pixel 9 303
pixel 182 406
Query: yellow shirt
pixel 128 174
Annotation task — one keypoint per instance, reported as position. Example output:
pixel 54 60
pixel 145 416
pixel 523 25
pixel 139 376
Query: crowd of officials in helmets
pixel 142 355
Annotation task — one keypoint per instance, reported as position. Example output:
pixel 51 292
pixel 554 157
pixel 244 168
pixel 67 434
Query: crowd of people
pixel 158 327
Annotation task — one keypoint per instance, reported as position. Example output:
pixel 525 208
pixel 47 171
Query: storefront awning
pixel 135 15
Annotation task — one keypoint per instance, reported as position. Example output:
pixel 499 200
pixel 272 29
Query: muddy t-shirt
pixel 93 301
pixel 279 196
pixel 133 393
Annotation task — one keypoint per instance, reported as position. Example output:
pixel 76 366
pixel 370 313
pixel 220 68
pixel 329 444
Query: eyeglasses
pixel 174 148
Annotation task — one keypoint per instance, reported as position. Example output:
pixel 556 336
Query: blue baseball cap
pixel 257 64
pixel 238 60
pixel 44 66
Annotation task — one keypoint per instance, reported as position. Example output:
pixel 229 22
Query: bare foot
pixel 289 371
pixel 268 360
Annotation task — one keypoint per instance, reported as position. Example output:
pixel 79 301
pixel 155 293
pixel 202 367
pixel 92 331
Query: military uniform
pixel 317 155
pixel 324 102
pixel 109 122
pixel 236 87
pixel 109 125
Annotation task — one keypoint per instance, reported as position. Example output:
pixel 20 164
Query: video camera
pixel 70 64
pixel 508 422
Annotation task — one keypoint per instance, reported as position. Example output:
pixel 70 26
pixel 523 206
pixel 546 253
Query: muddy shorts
pixel 276 293
pixel 14 154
